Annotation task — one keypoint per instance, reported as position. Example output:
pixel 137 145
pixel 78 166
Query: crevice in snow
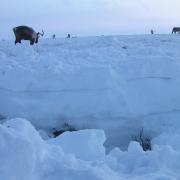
pixel 52 91
pixel 150 77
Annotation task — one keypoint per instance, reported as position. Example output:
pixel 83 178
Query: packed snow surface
pixel 110 88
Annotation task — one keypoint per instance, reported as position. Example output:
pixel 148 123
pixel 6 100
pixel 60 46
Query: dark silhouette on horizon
pixel 175 30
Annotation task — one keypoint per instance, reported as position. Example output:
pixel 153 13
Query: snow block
pixel 85 144
pixel 20 150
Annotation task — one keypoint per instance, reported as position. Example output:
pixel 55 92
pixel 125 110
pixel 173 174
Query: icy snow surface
pixel 120 84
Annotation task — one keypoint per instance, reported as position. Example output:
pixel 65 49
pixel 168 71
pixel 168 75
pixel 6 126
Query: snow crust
pixel 111 86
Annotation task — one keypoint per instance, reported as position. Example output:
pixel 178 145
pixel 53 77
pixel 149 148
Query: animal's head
pixel 38 36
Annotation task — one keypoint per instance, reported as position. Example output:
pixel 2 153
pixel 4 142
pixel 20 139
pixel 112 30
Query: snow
pixel 109 88
pixel 86 144
pixel 25 155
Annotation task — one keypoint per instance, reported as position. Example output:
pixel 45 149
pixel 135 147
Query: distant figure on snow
pixel 53 36
pixel 175 30
pixel 152 31
pixel 68 36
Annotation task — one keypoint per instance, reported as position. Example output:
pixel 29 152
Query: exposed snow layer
pixel 25 156
pixel 119 84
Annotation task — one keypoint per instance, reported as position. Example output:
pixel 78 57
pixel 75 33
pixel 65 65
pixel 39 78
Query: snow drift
pixel 25 156
pixel 120 84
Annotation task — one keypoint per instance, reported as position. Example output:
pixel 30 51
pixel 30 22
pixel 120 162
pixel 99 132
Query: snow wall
pixel 119 84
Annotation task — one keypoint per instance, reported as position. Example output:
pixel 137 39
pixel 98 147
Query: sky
pixel 89 17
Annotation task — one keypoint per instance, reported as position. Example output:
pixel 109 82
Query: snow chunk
pixel 85 144
pixel 134 147
pixel 20 149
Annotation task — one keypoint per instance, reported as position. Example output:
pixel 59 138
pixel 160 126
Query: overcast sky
pixel 89 17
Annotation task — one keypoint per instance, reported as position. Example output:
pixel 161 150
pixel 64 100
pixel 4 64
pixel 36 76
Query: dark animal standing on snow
pixel 175 30
pixel 68 36
pixel 26 33
pixel 53 36
pixel 152 31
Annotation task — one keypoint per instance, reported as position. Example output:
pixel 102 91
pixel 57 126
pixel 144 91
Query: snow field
pixel 118 84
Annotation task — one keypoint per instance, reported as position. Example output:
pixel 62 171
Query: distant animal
pixel 175 30
pixel 152 31
pixel 68 36
pixel 53 36
pixel 26 33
